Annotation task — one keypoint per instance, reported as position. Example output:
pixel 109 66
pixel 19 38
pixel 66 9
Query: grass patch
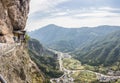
pixel 72 64
pixel 84 77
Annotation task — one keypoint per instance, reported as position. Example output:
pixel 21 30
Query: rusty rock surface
pixel 13 16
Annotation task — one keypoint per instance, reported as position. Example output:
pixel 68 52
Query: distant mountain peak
pixel 52 25
pixel 60 38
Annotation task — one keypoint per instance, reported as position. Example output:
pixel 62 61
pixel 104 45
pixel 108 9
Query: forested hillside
pixel 105 51
pixel 94 46
pixel 45 59
pixel 69 39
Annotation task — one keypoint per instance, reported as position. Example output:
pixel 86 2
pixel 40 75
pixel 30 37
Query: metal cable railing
pixel 2 80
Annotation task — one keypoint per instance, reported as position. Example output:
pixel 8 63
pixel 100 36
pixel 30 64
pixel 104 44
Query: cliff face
pixel 17 67
pixel 46 60
pixel 13 16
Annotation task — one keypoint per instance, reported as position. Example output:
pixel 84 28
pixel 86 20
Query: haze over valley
pixel 96 48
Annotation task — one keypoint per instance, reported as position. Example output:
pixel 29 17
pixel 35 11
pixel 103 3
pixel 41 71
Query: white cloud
pixel 109 9
pixel 60 14
pixel 97 14
pixel 43 5
pixel 49 14
pixel 69 22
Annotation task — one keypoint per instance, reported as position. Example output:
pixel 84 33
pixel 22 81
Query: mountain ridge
pixel 45 59
pixel 62 39
pixel 104 51
pixel 53 25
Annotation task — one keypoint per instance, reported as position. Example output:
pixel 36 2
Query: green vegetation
pixel 105 51
pixel 100 69
pixel 48 65
pixel 84 77
pixel 93 46
pixel 72 64
pixel 27 37
pixel 45 59
pixel 97 49
pixel 68 39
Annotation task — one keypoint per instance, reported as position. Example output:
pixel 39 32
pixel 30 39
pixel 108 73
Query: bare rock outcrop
pixel 13 16
pixel 17 67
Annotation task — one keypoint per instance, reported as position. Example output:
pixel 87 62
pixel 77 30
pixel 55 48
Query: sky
pixel 73 13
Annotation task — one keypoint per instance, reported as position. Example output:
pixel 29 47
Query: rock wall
pixel 13 16
pixel 17 67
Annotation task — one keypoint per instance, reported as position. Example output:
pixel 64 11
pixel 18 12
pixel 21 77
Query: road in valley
pixel 67 78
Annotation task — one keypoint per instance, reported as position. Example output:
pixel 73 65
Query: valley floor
pixel 74 72
pixel 66 77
